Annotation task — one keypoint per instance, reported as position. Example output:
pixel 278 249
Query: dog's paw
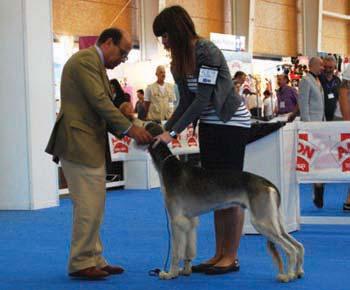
pixel 292 276
pixel 300 274
pixel 283 278
pixel 167 275
pixel 185 272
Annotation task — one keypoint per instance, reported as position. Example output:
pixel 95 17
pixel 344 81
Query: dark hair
pixel 267 93
pixel 140 91
pixel 239 74
pixel 116 85
pixel 177 23
pixel 114 33
pixel 286 77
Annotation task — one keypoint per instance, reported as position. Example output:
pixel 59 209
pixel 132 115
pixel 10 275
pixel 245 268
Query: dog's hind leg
pixel 180 225
pixel 270 229
pixel 300 252
pixel 191 247
pixel 275 256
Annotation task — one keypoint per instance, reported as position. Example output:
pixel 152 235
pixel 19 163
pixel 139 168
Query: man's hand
pixel 140 135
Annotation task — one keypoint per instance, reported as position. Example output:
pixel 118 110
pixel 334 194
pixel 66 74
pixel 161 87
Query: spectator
pixel 159 98
pixel 311 105
pixel 330 83
pixel 287 96
pixel 140 107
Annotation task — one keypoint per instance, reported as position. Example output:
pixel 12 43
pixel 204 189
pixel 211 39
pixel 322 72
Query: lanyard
pixel 333 84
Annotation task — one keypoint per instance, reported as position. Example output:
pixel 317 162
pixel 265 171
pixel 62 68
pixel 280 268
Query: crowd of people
pixel 93 105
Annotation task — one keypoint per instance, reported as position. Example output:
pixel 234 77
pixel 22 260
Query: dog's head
pixel 160 151
pixel 154 129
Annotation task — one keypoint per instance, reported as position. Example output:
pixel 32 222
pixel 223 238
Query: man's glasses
pixel 123 54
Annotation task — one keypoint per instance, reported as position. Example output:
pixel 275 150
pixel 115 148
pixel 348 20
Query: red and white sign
pixel 126 149
pixel 342 152
pixel 323 152
pixel 306 153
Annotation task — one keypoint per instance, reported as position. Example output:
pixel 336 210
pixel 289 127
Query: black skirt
pixel 222 146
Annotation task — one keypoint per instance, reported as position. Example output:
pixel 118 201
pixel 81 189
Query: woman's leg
pixel 219 238
pixel 224 150
pixel 232 220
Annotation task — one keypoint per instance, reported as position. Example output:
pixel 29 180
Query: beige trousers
pixel 88 193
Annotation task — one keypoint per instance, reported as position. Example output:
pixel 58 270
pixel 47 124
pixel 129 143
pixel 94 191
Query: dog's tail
pixel 275 255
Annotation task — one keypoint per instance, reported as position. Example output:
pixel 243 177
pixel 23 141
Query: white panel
pixel 40 99
pixel 13 150
pixel 28 177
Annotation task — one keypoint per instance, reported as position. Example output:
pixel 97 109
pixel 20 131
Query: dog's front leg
pixel 179 226
pixel 191 247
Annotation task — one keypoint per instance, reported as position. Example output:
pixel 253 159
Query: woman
pixel 344 104
pixel 205 86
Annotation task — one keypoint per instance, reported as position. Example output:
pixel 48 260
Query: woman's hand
pixel 164 137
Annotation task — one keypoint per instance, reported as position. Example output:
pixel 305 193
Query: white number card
pixel 208 75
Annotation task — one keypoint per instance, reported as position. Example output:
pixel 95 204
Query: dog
pixel 191 191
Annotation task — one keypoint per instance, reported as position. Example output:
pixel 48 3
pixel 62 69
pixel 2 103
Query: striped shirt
pixel 240 118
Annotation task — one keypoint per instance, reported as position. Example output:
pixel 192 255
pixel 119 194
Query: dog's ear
pixel 154 129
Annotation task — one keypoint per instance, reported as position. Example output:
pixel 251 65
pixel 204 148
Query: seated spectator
pixel 121 100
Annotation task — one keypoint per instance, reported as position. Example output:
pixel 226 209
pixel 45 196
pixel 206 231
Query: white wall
pixel 28 178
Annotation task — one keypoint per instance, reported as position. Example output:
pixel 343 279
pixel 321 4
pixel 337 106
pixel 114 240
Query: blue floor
pixel 334 196
pixel 34 247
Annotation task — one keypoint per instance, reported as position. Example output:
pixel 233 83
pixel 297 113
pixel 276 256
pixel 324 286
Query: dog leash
pixel 155 272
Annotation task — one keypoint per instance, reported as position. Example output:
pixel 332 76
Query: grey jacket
pixel 222 95
pixel 311 101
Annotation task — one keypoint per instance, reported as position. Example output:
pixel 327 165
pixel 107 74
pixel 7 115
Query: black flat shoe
pixel 346 207
pixel 201 268
pixel 216 270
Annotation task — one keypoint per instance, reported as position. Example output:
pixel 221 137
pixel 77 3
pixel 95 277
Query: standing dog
pixel 191 191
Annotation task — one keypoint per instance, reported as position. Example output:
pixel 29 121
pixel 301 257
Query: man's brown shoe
pixel 91 273
pixel 113 270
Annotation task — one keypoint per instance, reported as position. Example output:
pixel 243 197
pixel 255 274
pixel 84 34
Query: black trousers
pixel 222 146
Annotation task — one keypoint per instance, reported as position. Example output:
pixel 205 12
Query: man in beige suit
pixel 159 98
pixel 79 140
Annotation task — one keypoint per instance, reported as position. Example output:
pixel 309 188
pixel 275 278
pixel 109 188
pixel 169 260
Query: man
pixel 140 107
pixel 311 102
pixel 159 98
pixel 330 84
pixel 78 140
pixel 311 106
pixel 287 96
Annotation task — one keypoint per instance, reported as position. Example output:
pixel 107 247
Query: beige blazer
pixel 79 134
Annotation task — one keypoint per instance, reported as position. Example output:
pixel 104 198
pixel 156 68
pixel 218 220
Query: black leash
pixel 155 272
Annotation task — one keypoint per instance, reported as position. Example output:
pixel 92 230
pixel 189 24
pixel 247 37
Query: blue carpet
pixel 34 247
pixel 334 196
